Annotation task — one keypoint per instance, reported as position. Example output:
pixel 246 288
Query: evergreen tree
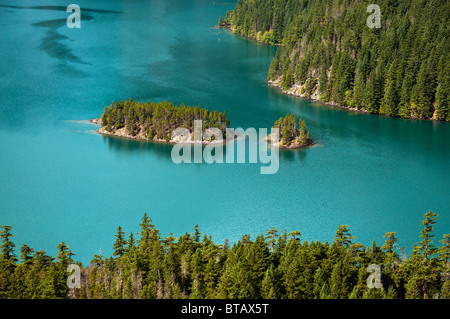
pixel 412 289
pixel 7 246
pixel 444 251
pixel 270 283
pixel 343 237
pixel 338 284
pixel 426 246
pixel 445 290
pixel 294 233
pixel 197 234
pixel 130 243
pixel 271 237
pixel 389 103
pixel 26 254
pixel 425 272
pixel 119 244
pixel 319 281
pixel 388 247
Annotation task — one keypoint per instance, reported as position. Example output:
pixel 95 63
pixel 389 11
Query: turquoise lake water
pixel 59 181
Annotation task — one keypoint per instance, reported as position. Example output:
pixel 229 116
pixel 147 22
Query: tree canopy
pixel 268 266
pixel 401 69
pixel 158 120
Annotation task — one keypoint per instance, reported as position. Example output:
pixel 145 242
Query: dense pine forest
pixel 327 52
pixel 270 266
pixel 157 120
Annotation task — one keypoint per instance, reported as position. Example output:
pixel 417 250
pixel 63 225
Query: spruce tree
pixel 425 272
pixel 319 280
pixel 269 285
pixel 26 254
pixel 119 244
pixel 389 103
pixel 426 246
pixel 444 251
pixel 7 246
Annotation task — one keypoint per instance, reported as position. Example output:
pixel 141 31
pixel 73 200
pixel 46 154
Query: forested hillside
pixel 327 52
pixel 272 265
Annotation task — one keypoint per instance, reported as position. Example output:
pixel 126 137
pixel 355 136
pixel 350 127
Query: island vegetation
pixel 156 121
pixel 272 265
pixel 328 53
pixel 290 135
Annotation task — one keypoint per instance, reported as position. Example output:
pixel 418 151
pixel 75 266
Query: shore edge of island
pixel 123 134
pixel 294 145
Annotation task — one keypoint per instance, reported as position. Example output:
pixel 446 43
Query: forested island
pixel 290 135
pixel 272 265
pixel 156 121
pixel 328 53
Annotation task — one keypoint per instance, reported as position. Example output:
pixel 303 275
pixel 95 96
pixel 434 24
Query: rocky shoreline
pixel 296 89
pixel 294 145
pixel 177 140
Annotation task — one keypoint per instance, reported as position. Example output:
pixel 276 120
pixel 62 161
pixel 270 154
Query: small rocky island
pixel 291 136
pixel 156 121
